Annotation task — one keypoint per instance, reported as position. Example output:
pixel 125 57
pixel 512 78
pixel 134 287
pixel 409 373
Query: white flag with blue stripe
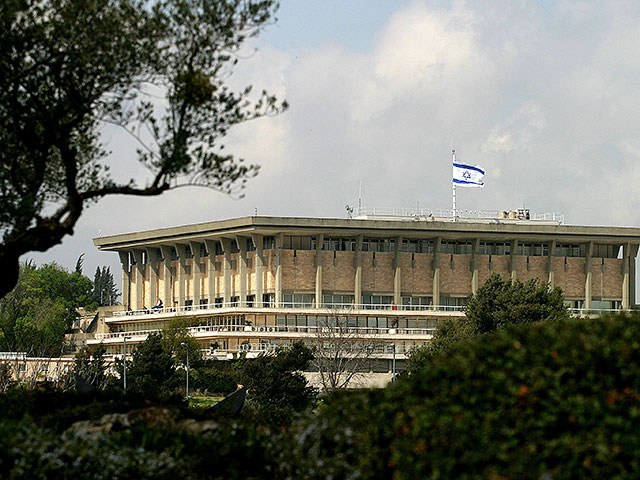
pixel 467 175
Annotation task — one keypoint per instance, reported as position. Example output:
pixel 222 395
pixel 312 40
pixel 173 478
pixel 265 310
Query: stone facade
pixel 179 266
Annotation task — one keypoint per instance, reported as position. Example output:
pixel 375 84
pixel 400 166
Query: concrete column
pixel 181 273
pixel 475 247
pixel 397 273
pixel 242 269
pixel 436 272
pixel 629 252
pixel 279 240
pixel 257 241
pixel 512 259
pixel 632 275
pixel 588 277
pixel 357 288
pixel 319 242
pixel 139 276
pixel 196 273
pixel 126 279
pixel 166 273
pixel 552 250
pixel 211 269
pixel 153 276
pixel 226 269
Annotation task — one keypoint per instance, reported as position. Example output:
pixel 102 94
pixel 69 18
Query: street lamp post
pixel 187 347
pixel 124 358
pixel 393 368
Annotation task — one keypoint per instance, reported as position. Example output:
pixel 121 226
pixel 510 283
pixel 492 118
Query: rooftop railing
pixel 341 307
pixel 312 330
pixel 426 214
pixel 387 349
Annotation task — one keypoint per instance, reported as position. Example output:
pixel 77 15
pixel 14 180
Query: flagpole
pixel 453 153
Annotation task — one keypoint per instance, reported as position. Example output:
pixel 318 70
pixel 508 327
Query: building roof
pixel 494 230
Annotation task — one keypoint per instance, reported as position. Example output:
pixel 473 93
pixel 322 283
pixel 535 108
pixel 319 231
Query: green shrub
pixel 556 400
pixel 343 439
pixel 215 381
pixel 146 451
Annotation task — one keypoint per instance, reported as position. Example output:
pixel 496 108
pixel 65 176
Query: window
pixel 234 301
pixel 297 243
pixel 174 253
pixel 606 304
pixel 494 248
pixel 378 245
pixel 452 303
pixel 567 250
pixel 188 252
pixel 218 301
pixel 606 251
pixel 574 304
pixel 251 300
pixel 218 248
pixel 269 243
pixel 533 249
pixel 337 244
pixel 459 247
pixel 417 246
pixel 338 300
pixel 298 300
pixel 377 301
pixel 203 250
pixel 416 303
pixel 250 245
pixel 268 299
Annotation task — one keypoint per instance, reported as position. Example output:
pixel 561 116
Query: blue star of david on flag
pixel 467 175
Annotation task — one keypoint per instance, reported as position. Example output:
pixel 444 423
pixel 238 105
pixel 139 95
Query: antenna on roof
pixel 360 199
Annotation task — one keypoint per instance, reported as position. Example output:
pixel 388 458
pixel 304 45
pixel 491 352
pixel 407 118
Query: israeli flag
pixel 467 175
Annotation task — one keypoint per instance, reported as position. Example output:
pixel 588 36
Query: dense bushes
pixel 557 400
pixel 497 304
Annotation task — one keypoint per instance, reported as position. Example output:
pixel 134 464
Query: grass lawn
pixel 203 401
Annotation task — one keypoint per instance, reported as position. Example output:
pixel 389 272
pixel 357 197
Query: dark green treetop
pixel 157 69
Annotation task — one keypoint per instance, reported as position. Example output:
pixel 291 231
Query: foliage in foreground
pixel 554 400
pixel 497 304
pixel 557 400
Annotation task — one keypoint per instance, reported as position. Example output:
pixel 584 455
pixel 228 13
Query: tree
pixel 151 369
pixel 156 69
pixel 497 304
pixel 89 366
pixel 277 389
pixel 341 351
pixel 104 287
pixel 448 332
pixel 174 338
pixel 35 316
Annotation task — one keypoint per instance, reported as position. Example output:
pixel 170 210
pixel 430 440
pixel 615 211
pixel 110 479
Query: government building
pixel 253 283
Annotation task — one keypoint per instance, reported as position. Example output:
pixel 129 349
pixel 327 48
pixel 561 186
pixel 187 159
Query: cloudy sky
pixel 543 94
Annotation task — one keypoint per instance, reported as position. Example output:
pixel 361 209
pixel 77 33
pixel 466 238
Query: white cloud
pixel 518 131
pixel 543 96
